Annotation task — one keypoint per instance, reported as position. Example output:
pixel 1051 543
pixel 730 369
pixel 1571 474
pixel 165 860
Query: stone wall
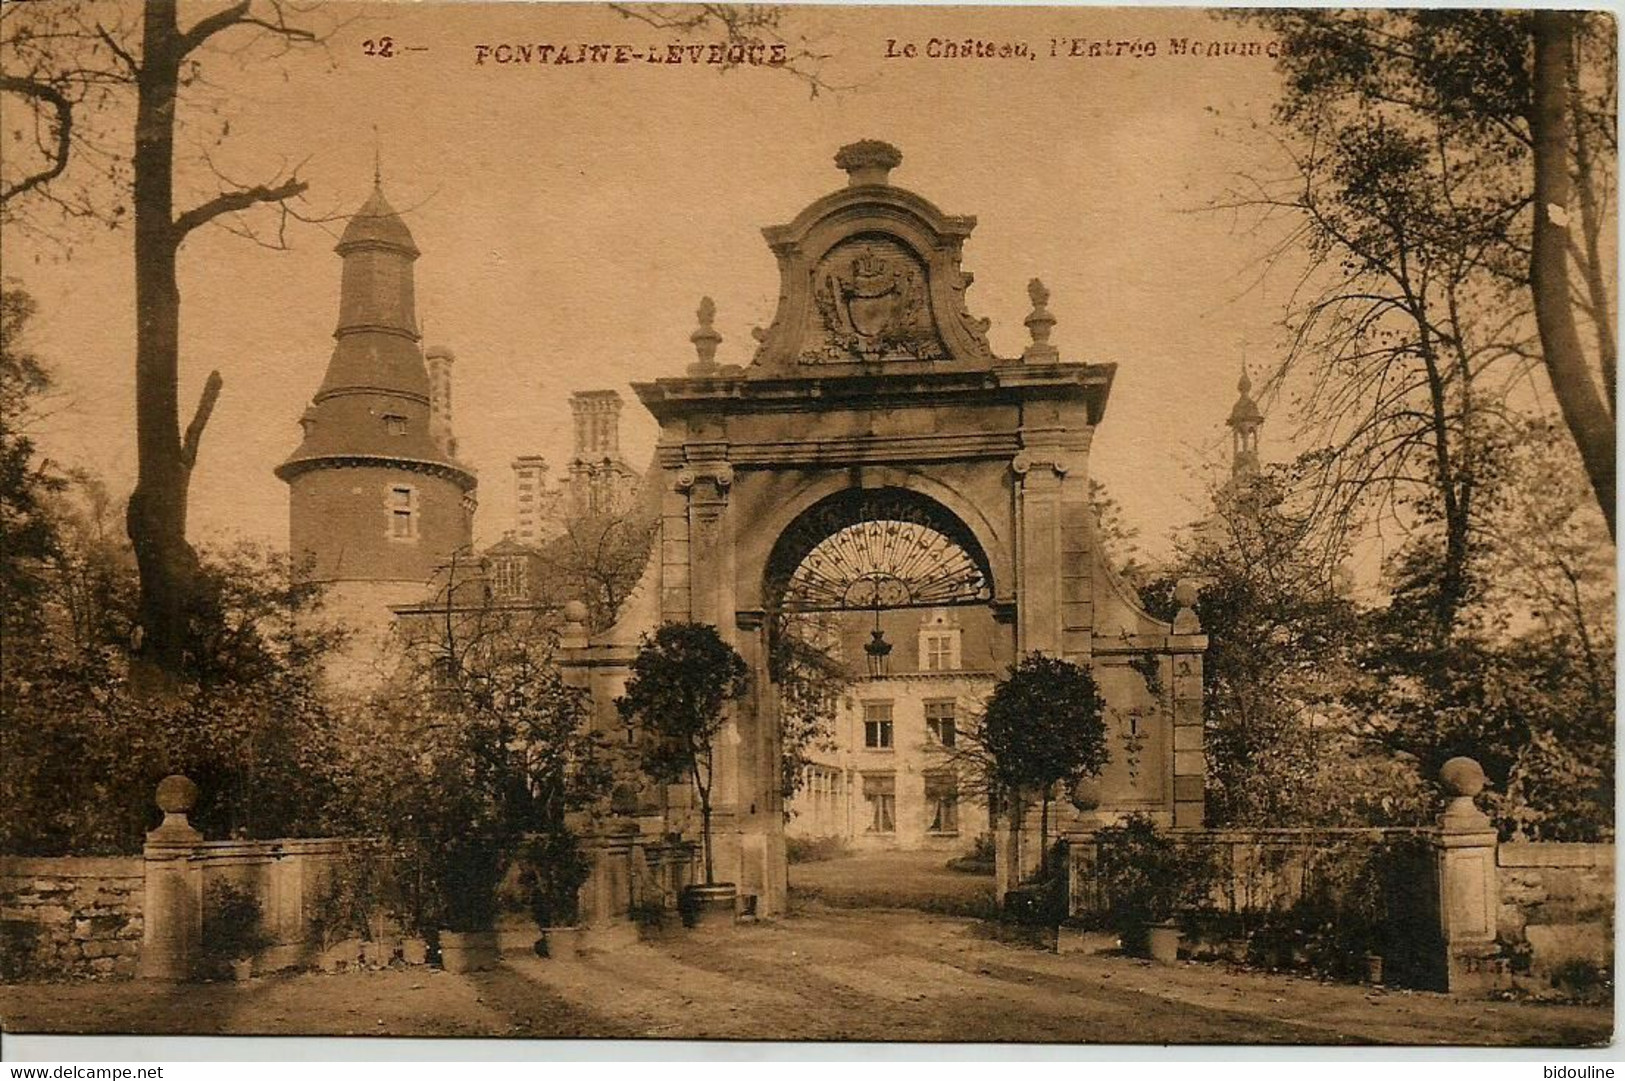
pixel 70 916
pixel 1557 905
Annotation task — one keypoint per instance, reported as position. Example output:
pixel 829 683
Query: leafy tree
pixel 253 728
pixel 683 677
pixel 1282 648
pixel 1526 684
pixel 1042 726
pixel 27 532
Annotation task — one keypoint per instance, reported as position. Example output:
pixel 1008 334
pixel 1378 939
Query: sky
pixel 571 217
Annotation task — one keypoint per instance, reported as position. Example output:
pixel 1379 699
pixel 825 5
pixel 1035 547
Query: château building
pixel 888 777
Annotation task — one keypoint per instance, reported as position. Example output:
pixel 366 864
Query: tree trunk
pixel 157 509
pixel 704 792
pixel 1043 836
pixel 1584 411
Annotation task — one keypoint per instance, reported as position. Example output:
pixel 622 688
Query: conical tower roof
pixel 374 401
pixel 377 223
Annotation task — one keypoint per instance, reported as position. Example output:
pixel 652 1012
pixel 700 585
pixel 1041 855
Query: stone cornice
pixel 460 475
pixel 861 449
pixel 874 387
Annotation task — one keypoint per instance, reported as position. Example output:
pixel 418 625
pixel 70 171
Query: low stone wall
pixel 1257 871
pixel 70 916
pixel 291 879
pixel 1557 905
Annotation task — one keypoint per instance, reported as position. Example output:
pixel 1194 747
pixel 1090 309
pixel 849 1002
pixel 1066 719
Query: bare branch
pixel 232 201
pixel 58 157
pixel 200 419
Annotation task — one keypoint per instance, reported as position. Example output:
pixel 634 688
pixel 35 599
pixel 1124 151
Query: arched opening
pixel 882 641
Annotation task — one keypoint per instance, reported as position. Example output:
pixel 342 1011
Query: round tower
pixel 377 501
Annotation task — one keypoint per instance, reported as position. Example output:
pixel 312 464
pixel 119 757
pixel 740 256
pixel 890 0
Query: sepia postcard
pixel 1033 525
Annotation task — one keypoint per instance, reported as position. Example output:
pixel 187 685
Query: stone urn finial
pixel 574 631
pixel 705 339
pixel 868 161
pixel 1463 778
pixel 1039 324
pixel 176 796
pixel 1187 591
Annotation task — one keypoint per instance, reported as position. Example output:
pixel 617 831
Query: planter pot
pixel 468 951
pixel 559 943
pixel 710 906
pixel 1162 942
pixel 242 969
pixel 415 951
pixel 1238 949
pixel 1373 968
pixel 377 954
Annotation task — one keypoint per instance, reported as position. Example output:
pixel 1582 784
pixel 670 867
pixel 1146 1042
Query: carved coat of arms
pixel 872 303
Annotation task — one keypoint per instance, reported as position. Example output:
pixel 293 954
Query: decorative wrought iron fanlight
pixel 885 563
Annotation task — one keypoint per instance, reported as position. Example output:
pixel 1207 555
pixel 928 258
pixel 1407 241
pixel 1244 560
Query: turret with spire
pixel 1245 421
pixel 378 502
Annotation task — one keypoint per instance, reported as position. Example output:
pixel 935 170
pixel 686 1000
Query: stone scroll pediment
pixel 870 275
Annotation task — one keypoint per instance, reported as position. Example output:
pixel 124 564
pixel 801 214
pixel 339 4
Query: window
pixel 942 801
pixel 508 578
pixel 938 652
pixel 880 793
pixel 877 725
pixel 939 723
pixel 395 425
pixel 403 513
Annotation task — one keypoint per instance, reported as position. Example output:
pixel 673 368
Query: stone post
pixel 172 913
pixel 1186 646
pixel 1469 892
pixel 605 899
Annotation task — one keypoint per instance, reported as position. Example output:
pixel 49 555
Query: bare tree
pixel 68 67
pixel 1522 107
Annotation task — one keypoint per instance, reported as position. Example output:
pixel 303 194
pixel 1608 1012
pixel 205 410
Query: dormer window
pixel 939 643
pixel 394 425
pixel 401 503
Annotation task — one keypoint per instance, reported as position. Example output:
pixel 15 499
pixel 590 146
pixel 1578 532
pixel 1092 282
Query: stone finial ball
pixel 1186 593
pixel 575 612
pixel 1462 776
pixel 176 794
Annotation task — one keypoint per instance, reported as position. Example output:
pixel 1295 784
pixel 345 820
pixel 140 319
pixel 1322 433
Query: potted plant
pixel 1149 879
pixel 466 874
pixel 683 677
pixel 233 928
pixel 490 747
pixel 553 874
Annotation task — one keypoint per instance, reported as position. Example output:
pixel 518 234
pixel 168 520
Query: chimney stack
pixel 440 359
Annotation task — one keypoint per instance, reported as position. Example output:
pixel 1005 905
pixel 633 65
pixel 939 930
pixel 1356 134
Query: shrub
pixel 1147 877
pixel 233 925
pixel 815 849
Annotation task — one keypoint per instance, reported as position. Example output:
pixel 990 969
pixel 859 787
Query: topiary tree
pixel 1042 726
pixel 683 676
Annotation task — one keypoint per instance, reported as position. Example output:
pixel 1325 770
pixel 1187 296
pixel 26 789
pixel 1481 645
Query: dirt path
pixel 826 974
